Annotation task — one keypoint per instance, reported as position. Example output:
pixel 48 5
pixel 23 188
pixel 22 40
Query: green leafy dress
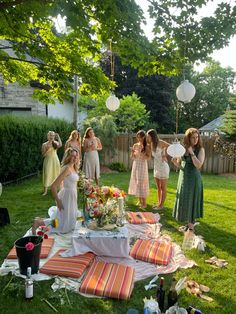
pixel 189 195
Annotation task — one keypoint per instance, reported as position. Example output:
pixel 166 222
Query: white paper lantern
pixel 176 150
pixel 185 91
pixel 112 103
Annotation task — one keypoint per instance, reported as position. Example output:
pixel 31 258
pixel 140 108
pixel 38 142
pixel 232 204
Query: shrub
pixel 21 139
pixel 118 166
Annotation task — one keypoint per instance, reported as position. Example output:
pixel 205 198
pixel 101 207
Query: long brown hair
pixel 142 134
pixel 188 133
pixel 154 138
pixel 67 156
pixel 86 134
pixel 72 135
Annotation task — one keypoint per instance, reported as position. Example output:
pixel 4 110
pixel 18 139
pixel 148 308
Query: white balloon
pixel 112 103
pixel 185 91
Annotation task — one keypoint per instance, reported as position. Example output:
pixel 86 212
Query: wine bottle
pixel 161 295
pixel 29 286
pixel 172 295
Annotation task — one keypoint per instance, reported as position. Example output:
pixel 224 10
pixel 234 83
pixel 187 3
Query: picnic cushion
pixel 141 218
pixel 67 266
pixel 108 280
pixel 152 251
pixel 45 249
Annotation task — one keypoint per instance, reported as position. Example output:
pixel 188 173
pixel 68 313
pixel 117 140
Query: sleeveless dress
pixel 51 167
pixel 139 183
pixel 161 167
pixel 91 164
pixel 189 195
pixel 68 195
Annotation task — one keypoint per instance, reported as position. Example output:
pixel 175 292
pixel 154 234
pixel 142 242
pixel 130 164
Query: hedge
pixel 21 139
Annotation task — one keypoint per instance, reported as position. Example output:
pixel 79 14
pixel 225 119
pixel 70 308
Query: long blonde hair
pixel 67 157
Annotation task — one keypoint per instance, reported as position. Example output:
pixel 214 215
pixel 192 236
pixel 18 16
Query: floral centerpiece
pixel 101 204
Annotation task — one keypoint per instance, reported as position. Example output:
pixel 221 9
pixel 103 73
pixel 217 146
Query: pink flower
pixel 29 246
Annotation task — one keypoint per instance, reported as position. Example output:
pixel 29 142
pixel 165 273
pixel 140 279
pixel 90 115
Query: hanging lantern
pixel 185 91
pixel 176 150
pixel 112 103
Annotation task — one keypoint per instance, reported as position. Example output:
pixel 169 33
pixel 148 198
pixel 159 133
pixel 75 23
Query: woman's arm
pixel 56 185
pixel 86 147
pixel 58 141
pixel 44 149
pixel 99 144
pixel 197 160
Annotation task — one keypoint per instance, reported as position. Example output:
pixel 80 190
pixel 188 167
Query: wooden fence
pixel 214 163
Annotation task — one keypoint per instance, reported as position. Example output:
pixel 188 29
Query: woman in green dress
pixel 189 195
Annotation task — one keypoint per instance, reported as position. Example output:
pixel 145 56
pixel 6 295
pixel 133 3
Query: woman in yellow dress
pixel 51 163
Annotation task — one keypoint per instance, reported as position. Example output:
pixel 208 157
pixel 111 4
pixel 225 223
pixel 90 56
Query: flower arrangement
pixel 42 232
pixel 100 203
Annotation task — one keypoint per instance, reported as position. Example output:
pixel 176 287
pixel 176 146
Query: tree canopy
pixel 32 48
pixel 214 87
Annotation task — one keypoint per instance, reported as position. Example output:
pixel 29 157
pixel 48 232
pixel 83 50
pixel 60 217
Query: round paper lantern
pixel 112 103
pixel 176 150
pixel 185 91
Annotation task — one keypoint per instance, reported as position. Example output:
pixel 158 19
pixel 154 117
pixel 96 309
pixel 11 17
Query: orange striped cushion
pixel 67 266
pixel 141 218
pixel 45 249
pixel 108 280
pixel 151 251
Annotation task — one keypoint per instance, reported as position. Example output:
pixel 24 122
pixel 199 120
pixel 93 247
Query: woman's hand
pixel 190 150
pixel 176 161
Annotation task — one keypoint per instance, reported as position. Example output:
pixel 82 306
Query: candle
pixel 121 204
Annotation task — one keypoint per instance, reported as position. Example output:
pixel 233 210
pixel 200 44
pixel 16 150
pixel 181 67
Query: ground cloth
pixel 143 270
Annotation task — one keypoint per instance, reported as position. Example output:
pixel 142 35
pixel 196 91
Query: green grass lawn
pixel 218 227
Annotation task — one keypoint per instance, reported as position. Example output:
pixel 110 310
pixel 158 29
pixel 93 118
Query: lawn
pixel 218 227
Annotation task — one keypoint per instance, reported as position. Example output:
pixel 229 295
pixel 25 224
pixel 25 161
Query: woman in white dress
pixel 161 167
pixel 91 146
pixel 66 198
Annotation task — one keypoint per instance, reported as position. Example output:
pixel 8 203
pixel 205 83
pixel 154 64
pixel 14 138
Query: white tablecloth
pixel 102 243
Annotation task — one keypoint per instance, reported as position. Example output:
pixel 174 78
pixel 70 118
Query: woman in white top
pixel 161 167
pixel 91 146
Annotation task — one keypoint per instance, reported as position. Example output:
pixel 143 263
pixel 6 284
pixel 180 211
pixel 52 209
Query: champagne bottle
pixel 29 285
pixel 172 295
pixel 161 295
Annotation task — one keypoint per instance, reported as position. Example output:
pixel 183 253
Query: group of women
pixel 63 179
pixel 189 196
pixel 90 145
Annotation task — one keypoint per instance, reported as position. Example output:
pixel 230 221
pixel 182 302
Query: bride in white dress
pixel 66 198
